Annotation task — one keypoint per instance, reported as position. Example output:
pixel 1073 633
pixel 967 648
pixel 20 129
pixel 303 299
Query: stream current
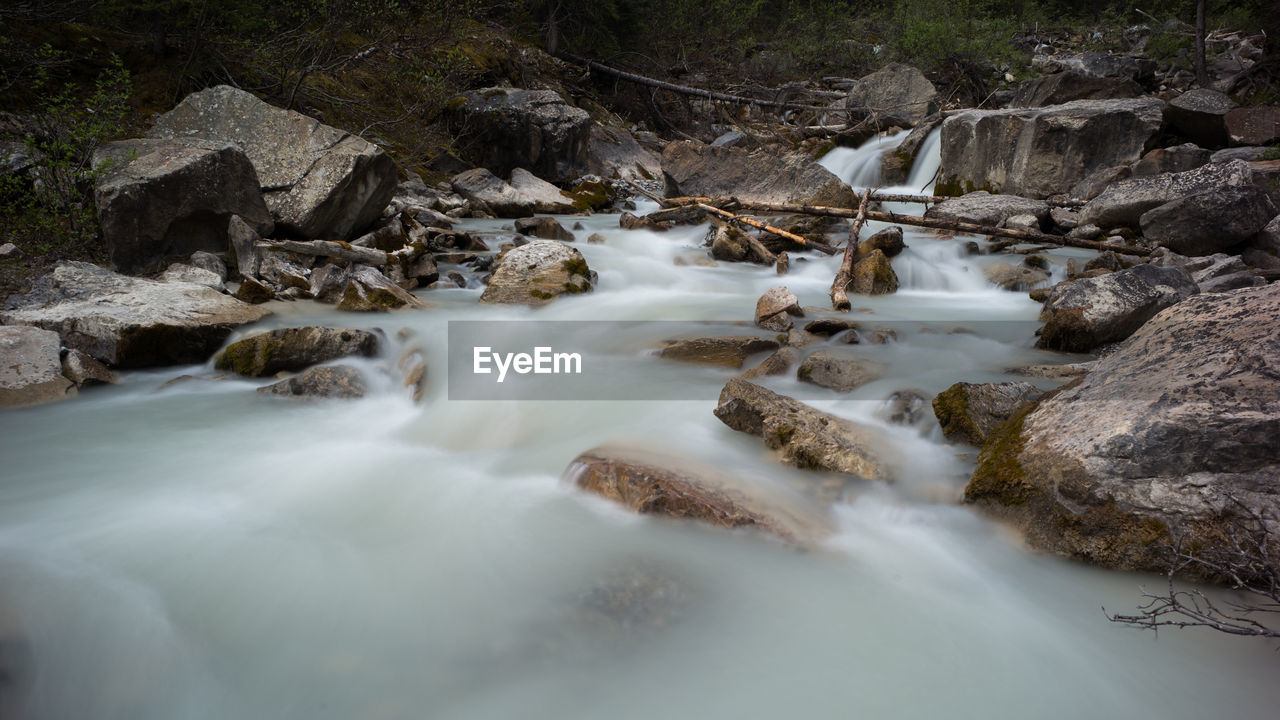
pixel 199 551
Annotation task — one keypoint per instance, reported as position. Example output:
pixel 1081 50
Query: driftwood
pixel 839 299
pixel 803 242
pixel 331 249
pixel 952 225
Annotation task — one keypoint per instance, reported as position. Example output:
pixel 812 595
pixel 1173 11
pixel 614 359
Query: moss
pixel 951 407
pixel 591 195
pixel 1000 477
pixel 1036 261
pixel 576 266
pixel 541 294
pixel 953 187
pixel 1068 331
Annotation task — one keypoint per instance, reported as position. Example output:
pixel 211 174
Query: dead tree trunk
pixel 839 299
pixel 802 242
pixel 1202 75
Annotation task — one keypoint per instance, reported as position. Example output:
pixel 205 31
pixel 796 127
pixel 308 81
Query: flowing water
pixel 197 550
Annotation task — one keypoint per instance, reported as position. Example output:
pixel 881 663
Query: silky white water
pixel 202 551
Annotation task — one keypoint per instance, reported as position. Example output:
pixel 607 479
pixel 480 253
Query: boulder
pixel 1038 152
pixel 613 153
pixel 728 351
pixel 1063 87
pixel 1257 125
pixel 254 292
pixel 652 483
pixel 209 261
pixel 627 221
pixel 179 272
pixel 542 195
pixel 983 208
pixel 1209 221
pixel 1014 277
pixel 317 180
pixel 546 228
pixel 481 186
pixel 162 199
pixel 31 373
pixel 968 412
pixel 904 407
pixel 367 290
pixel 293 349
pixel 838 370
pixel 779 363
pixel 888 241
pixel 1082 314
pixel 537 273
pixel 1200 115
pixel 804 436
pixel 873 274
pixel 896 94
pixel 1248 154
pixel 340 382
pixel 1123 204
pixel 130 322
pixel 761 176
pixel 1178 158
pixel 242 245
pixel 896 164
pixel 84 370
pixel 775 309
pixel 731 245
pixel 1095 64
pixel 1171 436
pixel 1099 180
pixel 506 128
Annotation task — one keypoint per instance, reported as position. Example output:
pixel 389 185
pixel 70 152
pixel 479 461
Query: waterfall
pixel 860 166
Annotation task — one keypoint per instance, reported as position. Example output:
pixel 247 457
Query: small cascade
pixel 860 166
pixel 925 168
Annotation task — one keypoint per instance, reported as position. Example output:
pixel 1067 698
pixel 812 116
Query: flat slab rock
pixel 30 371
pixel 727 351
pixel 340 382
pixel 293 349
pixel 130 322
pixel 804 436
pixel 659 483
pixel 1166 435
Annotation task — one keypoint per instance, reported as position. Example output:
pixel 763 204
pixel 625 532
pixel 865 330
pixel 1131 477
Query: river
pixel 199 551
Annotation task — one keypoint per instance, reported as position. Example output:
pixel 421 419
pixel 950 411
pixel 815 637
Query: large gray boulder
pixel 522 197
pixel 1210 221
pixel 537 130
pixel 1082 314
pixel 1200 115
pixel 613 152
pixel 317 180
pixel 1038 152
pixel 1256 125
pixel 1179 158
pixel 1124 203
pixel 896 94
pixel 293 349
pixel 537 273
pixel 338 382
pixel 1171 436
pixel 30 371
pixel 983 208
pixel 653 483
pixel 130 322
pixel 691 168
pixel 1063 87
pixel 162 199
pixel 804 436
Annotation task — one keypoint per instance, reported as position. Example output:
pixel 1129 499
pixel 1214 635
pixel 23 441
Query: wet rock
pixel 537 273
pixel 1122 204
pixel 727 351
pixel 481 186
pixel 1209 221
pixel 730 245
pixel 1178 158
pixel 547 228
pixel 895 166
pixel 983 208
pixel 1257 125
pixel 1172 435
pixel 1053 148
pixel 888 241
pixel 542 195
pixel 830 326
pixel 804 436
pixel 1015 278
pixel 508 128
pixel 905 407
pixel 293 349
pixel 130 322
pixel 783 263
pixel 775 309
pixel 838 370
pixel 760 176
pixel 779 363
pixel 160 199
pixel 1082 314
pixel 1200 115
pixel 896 94
pixel 30 373
pixel 368 290
pixel 339 382
pixel 1025 223
pixel 1064 219
pixel 413 373
pixel 84 370
pixel 627 221
pixel 968 412
pixel 651 483
pixel 873 275
pixel 318 181
pixel 254 292
pixel 1054 372
pixel 595 239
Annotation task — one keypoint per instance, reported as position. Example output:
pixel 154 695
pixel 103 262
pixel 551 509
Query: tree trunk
pixel 802 242
pixel 1202 75
pixel 839 298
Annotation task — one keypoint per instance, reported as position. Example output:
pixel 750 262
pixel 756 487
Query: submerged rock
pixel 775 309
pixel 341 382
pixel 537 273
pixel 130 322
pixel 728 351
pixel 805 437
pixel 1172 435
pixel 968 412
pixel 546 228
pixel 293 349
pixel 873 274
pixel 1082 314
pixel 838 370
pixel 659 484
pixel 30 372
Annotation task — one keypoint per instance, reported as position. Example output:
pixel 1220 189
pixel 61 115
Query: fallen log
pixel 952 225
pixel 803 242
pixel 839 299
pixel 331 249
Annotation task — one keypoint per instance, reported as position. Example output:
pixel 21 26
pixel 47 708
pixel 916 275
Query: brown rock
pixel 729 351
pixel 775 309
pixel 968 412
